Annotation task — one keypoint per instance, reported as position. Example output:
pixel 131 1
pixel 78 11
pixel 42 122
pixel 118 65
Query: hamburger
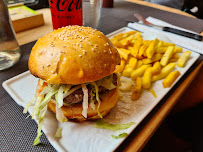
pixel 75 66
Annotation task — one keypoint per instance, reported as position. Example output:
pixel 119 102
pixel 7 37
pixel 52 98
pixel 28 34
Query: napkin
pixel 187 43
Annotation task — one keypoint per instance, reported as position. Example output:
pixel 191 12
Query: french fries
pixel 146 83
pixel 156 68
pixel 167 44
pixel 156 57
pixel 168 81
pixel 119 68
pixel 161 49
pixel 136 46
pixel 133 62
pixel 142 50
pixel 151 49
pixel 167 55
pixel 123 53
pixel 139 71
pixel 146 61
pixel 164 72
pixel 184 57
pixel 127 72
pixel 137 89
pixel 139 63
pixel 153 93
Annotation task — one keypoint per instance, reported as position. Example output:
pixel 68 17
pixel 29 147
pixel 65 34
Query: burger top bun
pixel 73 55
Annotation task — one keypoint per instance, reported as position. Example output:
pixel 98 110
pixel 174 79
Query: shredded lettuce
pixel 68 86
pixel 59 114
pixel 39 133
pixel 106 82
pixel 47 99
pixel 44 91
pixel 85 100
pixel 97 98
pixel 58 132
pixel 30 103
pixel 120 135
pixel 60 96
pixel 114 127
pixel 42 112
pixel 37 104
pixel 52 88
pixel 92 100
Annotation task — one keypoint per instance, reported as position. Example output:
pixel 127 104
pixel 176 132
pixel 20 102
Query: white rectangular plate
pixel 84 137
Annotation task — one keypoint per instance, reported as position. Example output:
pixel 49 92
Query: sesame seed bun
pixel 73 55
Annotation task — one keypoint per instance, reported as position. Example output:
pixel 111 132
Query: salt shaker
pixel 9 48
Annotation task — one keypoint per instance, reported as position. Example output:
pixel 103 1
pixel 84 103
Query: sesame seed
pixel 48 65
pixel 80 55
pixel 99 36
pixel 83 51
pixel 52 71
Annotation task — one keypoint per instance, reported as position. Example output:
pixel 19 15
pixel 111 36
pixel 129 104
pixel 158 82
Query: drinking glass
pixel 9 48
pixel 91 12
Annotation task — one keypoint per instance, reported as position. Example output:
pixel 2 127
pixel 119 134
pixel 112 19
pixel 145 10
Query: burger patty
pixel 77 96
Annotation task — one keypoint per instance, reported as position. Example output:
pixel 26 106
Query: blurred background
pixel 194 7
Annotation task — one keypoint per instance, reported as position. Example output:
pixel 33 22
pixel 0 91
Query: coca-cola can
pixel 66 12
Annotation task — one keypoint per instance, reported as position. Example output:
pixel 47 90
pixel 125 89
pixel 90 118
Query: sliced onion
pixel 126 84
pixel 71 91
pixel 85 100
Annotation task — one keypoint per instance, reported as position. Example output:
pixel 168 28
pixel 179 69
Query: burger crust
pixel 74 111
pixel 73 55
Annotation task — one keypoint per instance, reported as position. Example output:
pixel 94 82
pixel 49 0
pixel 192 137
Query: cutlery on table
pixel 169 29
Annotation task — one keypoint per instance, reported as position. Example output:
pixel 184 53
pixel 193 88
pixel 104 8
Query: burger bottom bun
pixel 74 112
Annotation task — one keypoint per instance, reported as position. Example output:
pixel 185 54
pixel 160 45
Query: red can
pixel 66 12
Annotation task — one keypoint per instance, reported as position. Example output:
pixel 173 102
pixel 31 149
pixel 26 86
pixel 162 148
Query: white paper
pixel 190 44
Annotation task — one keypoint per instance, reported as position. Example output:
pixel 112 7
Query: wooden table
pixel 144 135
